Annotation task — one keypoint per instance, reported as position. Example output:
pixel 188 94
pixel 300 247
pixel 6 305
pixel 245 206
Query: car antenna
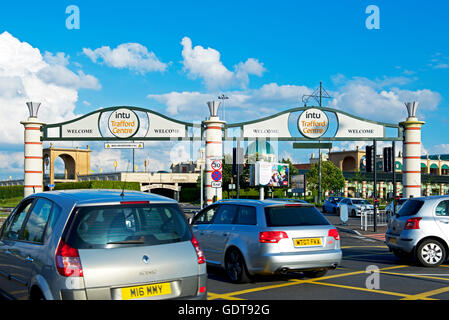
pixel 124 182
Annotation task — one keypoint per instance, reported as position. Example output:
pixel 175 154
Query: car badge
pixel 146 259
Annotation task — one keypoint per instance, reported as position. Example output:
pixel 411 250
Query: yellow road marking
pixel 227 295
pixel 415 275
pixel 350 247
pixel 403 295
pixel 425 295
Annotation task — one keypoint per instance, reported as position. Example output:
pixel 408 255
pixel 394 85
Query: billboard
pixel 271 174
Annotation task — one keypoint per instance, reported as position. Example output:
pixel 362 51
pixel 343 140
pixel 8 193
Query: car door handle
pixel 443 221
pixel 29 259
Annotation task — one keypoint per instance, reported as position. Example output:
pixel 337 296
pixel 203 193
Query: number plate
pixel 393 240
pixel 152 290
pixel 307 242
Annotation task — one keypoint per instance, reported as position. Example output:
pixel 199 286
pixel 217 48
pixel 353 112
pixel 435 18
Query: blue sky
pixel 266 55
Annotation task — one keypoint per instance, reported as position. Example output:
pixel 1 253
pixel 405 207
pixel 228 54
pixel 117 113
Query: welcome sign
pixel 118 123
pixel 297 124
pixel 315 123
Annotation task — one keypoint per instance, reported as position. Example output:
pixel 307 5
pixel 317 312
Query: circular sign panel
pixel 313 123
pixel 123 123
pixel 216 165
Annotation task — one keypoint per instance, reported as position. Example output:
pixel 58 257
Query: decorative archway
pixel 76 162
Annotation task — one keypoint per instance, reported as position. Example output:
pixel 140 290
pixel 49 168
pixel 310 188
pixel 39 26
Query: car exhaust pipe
pixel 333 266
pixel 284 270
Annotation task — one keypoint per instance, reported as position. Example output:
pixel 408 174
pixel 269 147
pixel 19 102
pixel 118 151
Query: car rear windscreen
pixel 285 216
pixel 98 227
pixel 410 207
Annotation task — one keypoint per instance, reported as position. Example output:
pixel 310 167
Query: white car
pixel 356 206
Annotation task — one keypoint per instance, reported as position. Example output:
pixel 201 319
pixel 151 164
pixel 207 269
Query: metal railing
pixel 367 219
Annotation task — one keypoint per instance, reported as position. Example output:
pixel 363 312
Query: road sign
pixel 216 164
pixel 51 185
pixel 216 175
pixel 216 184
pixel 124 145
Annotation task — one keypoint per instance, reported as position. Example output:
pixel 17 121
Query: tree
pixel 331 176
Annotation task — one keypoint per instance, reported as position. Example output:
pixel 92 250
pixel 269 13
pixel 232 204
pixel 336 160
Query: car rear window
pixel 284 216
pixel 131 224
pixel 410 207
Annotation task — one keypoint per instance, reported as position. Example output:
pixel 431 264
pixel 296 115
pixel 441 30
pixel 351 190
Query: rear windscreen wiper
pixel 127 242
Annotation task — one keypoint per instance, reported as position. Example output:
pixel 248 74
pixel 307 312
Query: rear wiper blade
pixel 127 242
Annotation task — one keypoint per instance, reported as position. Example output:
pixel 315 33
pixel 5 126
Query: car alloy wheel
pixel 431 253
pixel 235 267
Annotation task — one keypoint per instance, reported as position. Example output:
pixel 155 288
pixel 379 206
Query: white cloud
pixel 377 100
pixel 26 75
pixel 200 62
pixel 268 99
pixel 133 56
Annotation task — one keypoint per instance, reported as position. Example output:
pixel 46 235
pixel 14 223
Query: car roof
pixel 96 196
pixel 265 203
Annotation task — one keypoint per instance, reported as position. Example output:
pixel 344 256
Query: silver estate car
pixel 421 230
pixel 99 245
pixel 248 237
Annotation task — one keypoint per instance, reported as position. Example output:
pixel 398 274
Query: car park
pixel 330 204
pixel 99 245
pixel 356 206
pixel 420 230
pixel 389 208
pixel 249 237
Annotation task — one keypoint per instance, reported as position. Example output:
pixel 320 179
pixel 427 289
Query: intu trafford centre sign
pixel 304 123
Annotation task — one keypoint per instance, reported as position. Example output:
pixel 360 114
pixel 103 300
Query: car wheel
pixel 353 214
pixel 236 267
pixel 431 253
pixel 315 273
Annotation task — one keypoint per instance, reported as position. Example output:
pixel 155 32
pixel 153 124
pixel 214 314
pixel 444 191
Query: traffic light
pixel 370 158
pixel 388 159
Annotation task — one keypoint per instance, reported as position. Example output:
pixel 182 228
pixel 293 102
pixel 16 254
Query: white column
pixel 214 150
pixel 411 177
pixel 364 189
pixel 33 160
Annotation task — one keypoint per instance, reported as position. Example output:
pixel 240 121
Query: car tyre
pixel 353 214
pixel 236 267
pixel 431 253
pixel 315 273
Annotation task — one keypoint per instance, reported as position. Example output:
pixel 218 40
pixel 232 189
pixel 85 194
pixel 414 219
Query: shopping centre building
pixel 359 183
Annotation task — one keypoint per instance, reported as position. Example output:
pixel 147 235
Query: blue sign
pixel 216 175
pixel 52 185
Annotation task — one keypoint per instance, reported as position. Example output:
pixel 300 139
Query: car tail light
pixel 412 223
pixel 199 252
pixel 272 236
pixel 68 261
pixel 134 202
pixel 334 233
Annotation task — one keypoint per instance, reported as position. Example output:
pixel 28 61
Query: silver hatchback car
pixel 248 237
pixel 100 245
pixel 421 230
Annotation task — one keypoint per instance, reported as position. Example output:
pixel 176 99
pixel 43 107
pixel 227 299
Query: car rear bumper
pixel 188 290
pixel 397 242
pixel 284 262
